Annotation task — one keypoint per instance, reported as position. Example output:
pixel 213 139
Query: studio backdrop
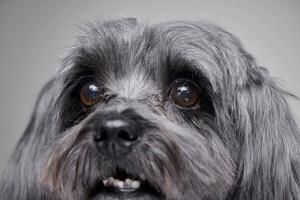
pixel 34 35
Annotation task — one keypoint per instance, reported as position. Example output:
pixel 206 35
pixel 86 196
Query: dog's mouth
pixel 122 185
pixel 127 185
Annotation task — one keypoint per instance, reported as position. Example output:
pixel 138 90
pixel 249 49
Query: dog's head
pixel 169 111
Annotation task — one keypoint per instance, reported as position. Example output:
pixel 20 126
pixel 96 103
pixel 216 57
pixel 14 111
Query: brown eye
pixel 90 94
pixel 185 94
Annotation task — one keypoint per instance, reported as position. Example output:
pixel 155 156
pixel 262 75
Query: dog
pixel 175 111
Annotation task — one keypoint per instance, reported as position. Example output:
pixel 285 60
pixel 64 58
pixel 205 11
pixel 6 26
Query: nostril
pixel 127 135
pixel 100 136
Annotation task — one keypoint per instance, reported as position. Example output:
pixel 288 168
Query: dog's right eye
pixel 90 94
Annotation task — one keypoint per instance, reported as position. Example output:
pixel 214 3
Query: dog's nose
pixel 116 137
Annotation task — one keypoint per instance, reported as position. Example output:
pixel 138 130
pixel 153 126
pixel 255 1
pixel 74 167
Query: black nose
pixel 116 137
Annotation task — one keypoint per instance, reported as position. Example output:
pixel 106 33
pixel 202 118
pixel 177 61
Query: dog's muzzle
pixel 115 135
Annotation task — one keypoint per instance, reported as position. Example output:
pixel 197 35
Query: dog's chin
pixel 123 185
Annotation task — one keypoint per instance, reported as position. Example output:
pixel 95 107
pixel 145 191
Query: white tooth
pixel 105 182
pixel 118 184
pixel 110 181
pixel 128 180
pixel 127 185
pixel 135 184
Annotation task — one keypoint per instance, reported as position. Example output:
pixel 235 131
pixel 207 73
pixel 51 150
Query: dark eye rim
pixel 182 80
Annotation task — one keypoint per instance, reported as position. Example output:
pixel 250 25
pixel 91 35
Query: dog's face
pixel 169 111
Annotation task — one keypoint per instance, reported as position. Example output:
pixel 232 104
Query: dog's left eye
pixel 90 94
pixel 185 94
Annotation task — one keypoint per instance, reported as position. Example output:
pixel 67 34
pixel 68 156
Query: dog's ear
pixel 19 180
pixel 269 162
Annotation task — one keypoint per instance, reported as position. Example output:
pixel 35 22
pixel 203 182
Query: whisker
pixel 83 167
pixel 76 174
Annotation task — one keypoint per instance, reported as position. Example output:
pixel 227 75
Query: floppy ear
pixel 269 162
pixel 19 180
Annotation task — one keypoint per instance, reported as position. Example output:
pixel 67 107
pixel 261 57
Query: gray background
pixel 33 34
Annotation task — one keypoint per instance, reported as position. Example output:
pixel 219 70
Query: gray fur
pixel 241 144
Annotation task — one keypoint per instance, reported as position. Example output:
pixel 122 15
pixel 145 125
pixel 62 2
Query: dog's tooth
pixel 128 181
pixel 118 184
pixel 109 182
pixel 105 182
pixel 135 184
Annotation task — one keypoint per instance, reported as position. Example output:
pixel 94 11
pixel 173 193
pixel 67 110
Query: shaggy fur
pixel 242 143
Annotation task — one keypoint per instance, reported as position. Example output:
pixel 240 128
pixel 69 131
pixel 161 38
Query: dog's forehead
pixel 134 85
pixel 133 60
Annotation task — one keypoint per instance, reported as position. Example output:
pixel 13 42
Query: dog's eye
pixel 185 94
pixel 90 94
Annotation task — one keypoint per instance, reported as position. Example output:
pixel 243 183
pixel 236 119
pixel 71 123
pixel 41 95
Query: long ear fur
pixel 19 180
pixel 270 141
